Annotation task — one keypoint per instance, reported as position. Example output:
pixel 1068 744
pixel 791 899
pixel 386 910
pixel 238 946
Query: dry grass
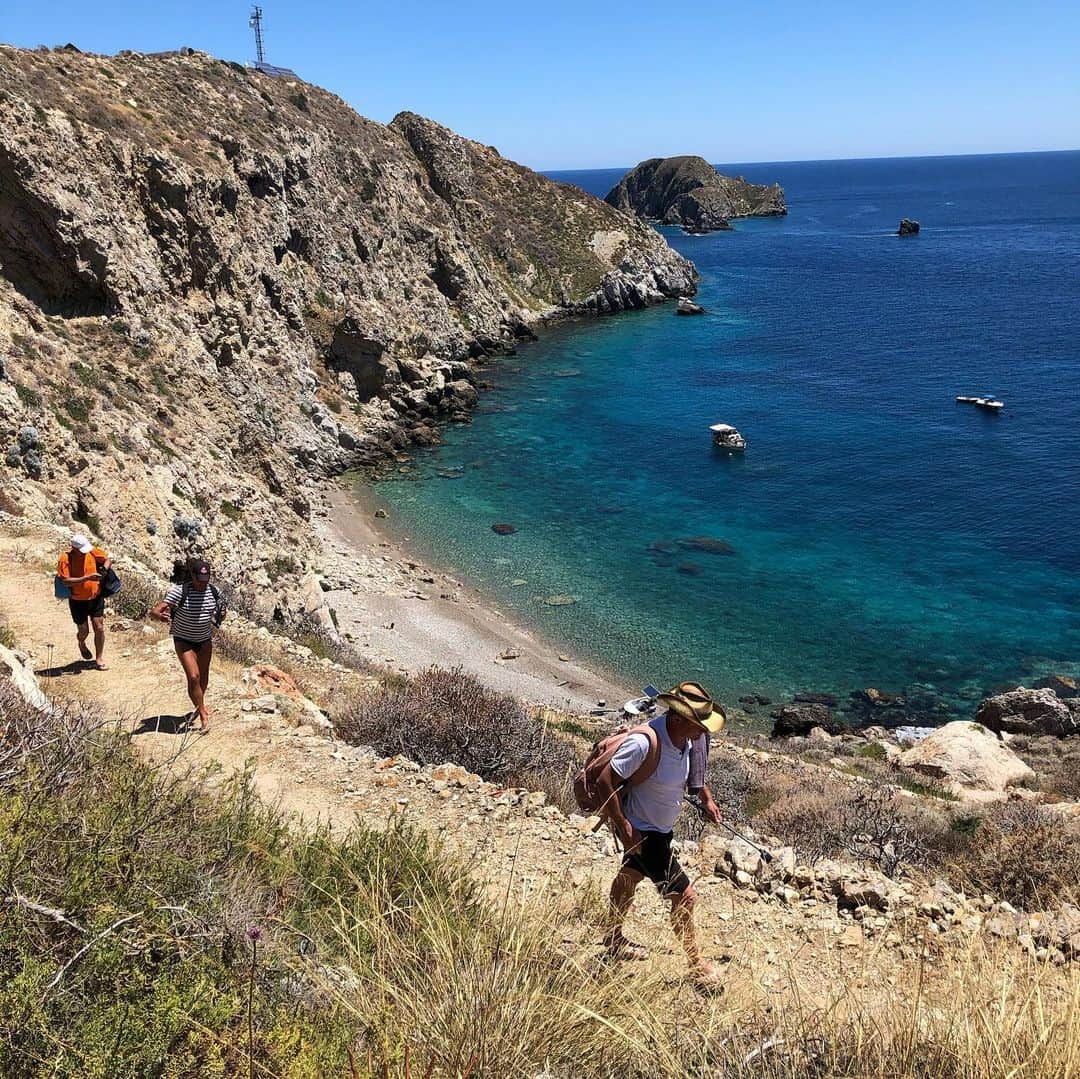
pixel 508 1001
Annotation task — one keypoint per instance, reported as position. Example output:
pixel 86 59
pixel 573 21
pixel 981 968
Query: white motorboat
pixel 988 402
pixel 727 438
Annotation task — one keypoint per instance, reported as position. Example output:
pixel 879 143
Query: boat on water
pixel 992 404
pixel 726 437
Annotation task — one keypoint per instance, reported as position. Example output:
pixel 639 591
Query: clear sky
pixel 567 84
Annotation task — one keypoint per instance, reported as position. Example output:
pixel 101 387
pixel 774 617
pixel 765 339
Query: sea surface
pixel 880 533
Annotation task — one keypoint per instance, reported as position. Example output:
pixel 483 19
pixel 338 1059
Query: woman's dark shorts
pixel 82 609
pixel 654 859
pixel 184 645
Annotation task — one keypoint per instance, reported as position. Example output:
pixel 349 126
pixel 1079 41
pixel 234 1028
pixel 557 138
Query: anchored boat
pixel 727 438
pixel 992 404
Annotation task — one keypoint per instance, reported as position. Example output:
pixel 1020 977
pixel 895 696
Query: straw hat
pixel 690 700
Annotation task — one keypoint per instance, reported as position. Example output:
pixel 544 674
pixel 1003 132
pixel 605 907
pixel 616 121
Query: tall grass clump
pixel 447 715
pixel 128 895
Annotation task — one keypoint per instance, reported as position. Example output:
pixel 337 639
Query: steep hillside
pixel 217 287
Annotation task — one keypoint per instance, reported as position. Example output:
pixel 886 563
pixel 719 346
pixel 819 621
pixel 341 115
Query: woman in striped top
pixel 192 610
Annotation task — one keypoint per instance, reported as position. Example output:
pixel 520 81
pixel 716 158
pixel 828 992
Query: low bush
pixel 447 715
pixel 1015 851
pixel 871 822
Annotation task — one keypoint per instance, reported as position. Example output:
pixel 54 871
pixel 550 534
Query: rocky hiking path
pixel 780 944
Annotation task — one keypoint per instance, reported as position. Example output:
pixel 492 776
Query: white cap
pixel 81 543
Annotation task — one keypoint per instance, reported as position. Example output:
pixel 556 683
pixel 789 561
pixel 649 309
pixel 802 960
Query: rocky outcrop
pixel 1030 711
pixel 218 288
pixel 908 227
pixel 799 719
pixel 969 755
pixel 688 191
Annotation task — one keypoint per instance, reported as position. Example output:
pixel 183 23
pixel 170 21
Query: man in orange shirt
pixel 81 569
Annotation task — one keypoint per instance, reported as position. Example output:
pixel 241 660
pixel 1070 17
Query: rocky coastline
pixel 219 289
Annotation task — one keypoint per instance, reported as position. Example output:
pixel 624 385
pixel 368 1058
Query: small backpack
pixel 586 791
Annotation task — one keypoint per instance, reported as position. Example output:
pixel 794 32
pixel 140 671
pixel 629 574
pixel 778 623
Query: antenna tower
pixel 255 22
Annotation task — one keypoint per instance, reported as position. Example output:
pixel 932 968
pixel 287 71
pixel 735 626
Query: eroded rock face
pixel 218 288
pixel 688 191
pixel 1028 711
pixel 969 755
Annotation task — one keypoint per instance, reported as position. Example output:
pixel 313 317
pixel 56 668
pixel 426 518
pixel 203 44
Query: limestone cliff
pixel 217 287
pixel 688 191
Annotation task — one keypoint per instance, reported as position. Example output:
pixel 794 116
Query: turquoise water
pixel 880 533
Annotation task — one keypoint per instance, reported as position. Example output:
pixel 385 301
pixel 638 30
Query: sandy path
pixel 518 849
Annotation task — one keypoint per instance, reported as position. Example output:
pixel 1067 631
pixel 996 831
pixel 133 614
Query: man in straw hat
pixel 643 816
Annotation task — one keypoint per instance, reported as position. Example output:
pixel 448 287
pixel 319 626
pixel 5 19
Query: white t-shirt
pixel 654 805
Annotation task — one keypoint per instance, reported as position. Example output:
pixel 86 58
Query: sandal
pixel 84 651
pixel 707 977
pixel 624 949
pixel 99 666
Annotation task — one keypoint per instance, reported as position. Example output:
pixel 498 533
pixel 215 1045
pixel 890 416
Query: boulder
pixel 969 755
pixel 798 720
pixel 1028 711
pixel 1065 687
pixel 21 674
pixel 908 227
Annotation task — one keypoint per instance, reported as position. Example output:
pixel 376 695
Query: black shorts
pixel 654 859
pixel 184 645
pixel 82 609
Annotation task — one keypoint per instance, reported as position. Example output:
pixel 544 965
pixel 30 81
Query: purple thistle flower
pixel 254 932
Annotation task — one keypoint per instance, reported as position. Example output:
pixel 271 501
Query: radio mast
pixel 255 22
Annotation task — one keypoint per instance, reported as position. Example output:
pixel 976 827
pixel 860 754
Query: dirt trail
pixel 519 846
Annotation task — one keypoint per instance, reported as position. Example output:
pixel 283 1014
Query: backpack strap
pixel 652 758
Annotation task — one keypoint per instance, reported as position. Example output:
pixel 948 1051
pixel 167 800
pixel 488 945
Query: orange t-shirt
pixel 75 564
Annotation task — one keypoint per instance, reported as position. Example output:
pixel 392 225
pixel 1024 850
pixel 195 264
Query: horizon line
pixel 819 160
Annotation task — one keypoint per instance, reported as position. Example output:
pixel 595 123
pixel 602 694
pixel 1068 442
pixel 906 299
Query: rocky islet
pixel 688 191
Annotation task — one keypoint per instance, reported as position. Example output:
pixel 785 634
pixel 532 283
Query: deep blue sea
pixel 882 534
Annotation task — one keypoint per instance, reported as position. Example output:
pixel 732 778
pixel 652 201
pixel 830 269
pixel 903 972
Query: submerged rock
pixel 706 545
pixel 503 529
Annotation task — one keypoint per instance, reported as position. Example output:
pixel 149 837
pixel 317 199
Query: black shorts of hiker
pixel 637 783
pixel 193 609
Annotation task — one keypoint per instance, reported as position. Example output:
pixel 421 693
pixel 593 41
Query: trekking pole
pixel 766 854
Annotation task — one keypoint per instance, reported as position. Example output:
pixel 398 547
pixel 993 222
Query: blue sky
pixel 573 85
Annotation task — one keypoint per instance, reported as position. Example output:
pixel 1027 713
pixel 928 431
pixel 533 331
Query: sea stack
pixel 688 191
pixel 908 228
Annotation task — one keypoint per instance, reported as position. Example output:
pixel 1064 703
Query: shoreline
pixel 409 616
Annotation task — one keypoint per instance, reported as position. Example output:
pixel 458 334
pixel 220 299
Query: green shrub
pixel 29 397
pixel 231 510
pixel 130 891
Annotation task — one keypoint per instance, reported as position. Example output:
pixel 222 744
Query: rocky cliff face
pixel 688 191
pixel 217 287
